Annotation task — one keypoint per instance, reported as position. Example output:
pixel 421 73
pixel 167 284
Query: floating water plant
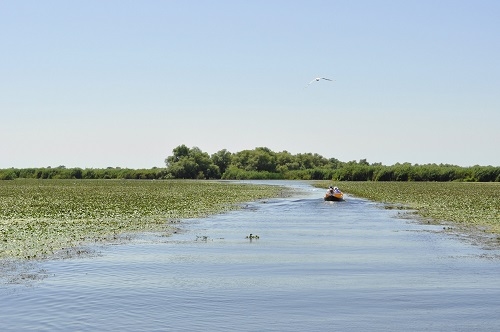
pixel 39 217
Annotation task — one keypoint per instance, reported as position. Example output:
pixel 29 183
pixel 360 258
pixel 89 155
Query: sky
pixel 117 83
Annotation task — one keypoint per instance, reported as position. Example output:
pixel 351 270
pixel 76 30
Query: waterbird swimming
pixel 252 236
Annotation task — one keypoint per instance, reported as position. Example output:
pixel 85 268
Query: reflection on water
pixel 316 266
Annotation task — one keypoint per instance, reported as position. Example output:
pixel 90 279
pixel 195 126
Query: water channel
pixel 315 266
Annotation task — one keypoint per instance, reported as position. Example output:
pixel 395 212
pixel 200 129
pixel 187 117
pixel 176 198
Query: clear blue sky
pixel 121 83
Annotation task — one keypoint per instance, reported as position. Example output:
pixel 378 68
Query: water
pixel 317 266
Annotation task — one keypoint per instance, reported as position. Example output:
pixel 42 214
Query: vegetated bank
pixel 469 204
pixel 263 163
pixel 39 217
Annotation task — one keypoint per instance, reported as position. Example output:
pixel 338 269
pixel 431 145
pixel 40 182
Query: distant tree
pixel 264 159
pixel 310 161
pixel 222 159
pixel 334 163
pixel 241 160
pixel 7 174
pixel 205 166
pixel 76 173
pixel 186 163
pixel 259 159
pixel 181 151
pixel 89 174
pixel 285 162
pixel 363 162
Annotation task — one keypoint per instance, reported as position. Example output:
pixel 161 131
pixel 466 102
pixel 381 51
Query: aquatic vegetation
pixel 476 204
pixel 39 217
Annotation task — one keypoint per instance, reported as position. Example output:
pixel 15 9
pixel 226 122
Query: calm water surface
pixel 317 266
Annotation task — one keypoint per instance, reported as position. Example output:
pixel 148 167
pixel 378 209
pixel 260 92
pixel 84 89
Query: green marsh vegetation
pixel 263 163
pixel 43 209
pixel 474 205
pixel 39 217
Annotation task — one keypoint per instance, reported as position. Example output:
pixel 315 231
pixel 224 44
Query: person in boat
pixel 333 190
pixel 330 191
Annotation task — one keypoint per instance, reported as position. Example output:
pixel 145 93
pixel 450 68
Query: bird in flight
pixel 319 78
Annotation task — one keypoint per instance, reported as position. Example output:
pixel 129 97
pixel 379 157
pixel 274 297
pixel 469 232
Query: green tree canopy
pixel 186 163
pixel 263 163
pixel 222 159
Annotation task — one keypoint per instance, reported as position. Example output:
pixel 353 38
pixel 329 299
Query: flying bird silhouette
pixel 317 80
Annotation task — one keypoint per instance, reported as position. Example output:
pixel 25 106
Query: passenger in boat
pixel 330 191
pixel 336 190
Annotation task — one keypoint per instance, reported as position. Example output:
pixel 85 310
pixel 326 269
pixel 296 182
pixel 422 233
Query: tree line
pixel 263 163
pixel 61 172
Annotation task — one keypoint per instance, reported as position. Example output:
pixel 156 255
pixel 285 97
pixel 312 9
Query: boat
pixel 337 196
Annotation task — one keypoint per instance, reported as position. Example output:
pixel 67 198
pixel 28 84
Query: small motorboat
pixel 338 196
pixel 334 194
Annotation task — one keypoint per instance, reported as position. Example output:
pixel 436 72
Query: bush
pixel 7 174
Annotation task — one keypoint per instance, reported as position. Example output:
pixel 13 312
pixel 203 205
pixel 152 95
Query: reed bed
pixel 39 217
pixel 469 204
